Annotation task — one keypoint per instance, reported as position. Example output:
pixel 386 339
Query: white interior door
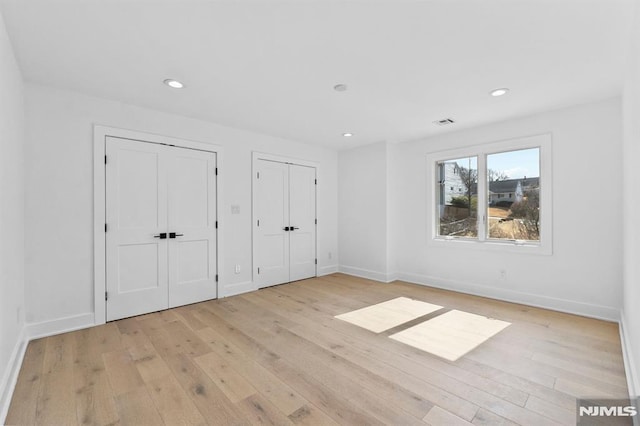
pixel 284 241
pixel 271 241
pixel 192 227
pixel 136 197
pixel 161 240
pixel 302 222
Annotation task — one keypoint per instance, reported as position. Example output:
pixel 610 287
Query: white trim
pixel 629 361
pixel 100 134
pixel 10 378
pixel 545 246
pixel 59 326
pixel 284 159
pixel 561 305
pixel 382 277
pixel 327 270
pixel 238 288
pixel 255 156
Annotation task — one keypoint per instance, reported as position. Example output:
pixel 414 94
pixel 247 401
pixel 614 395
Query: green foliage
pixel 462 201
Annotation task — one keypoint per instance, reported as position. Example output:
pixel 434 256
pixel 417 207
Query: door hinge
pixel 258 270
pixel 316 261
pixel 106 296
pixel 258 222
pixel 105 227
pixel 316 221
pixel 216 277
pixel 258 175
pixel 316 181
pixel 216 171
pixel 105 159
pixel 216 224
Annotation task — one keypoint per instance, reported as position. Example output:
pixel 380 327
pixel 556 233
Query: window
pixel 457 213
pixel 503 195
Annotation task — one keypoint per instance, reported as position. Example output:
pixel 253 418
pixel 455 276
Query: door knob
pixel 173 235
pixel 293 227
pixel 162 235
pixel 286 228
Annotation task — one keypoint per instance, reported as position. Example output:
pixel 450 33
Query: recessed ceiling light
pixel 173 83
pixel 499 92
pixel 347 135
pixel 340 87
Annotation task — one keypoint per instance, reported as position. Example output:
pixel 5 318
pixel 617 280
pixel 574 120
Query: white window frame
pixel 542 247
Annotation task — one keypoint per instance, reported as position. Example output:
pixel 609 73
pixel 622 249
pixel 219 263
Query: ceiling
pixel 270 66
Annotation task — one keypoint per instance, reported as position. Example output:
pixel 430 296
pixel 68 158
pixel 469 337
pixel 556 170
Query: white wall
pixel 631 110
pixel 362 201
pixel 11 213
pixel 59 194
pixel 584 273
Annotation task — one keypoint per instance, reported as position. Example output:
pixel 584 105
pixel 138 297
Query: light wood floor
pixel 277 356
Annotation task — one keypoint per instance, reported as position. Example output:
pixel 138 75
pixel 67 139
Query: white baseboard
pixel 10 377
pixel 629 361
pixel 366 273
pixel 562 305
pixel 327 270
pixel 59 326
pixel 237 288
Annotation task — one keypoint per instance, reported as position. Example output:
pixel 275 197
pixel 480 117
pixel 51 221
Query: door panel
pixel 192 212
pixel 284 196
pixel 271 190
pixel 136 199
pixel 302 211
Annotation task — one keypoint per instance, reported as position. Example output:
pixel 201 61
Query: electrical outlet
pixel 237 269
pixel 330 255
pixel 503 274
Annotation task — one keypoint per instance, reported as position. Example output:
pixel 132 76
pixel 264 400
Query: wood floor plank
pixel 173 404
pixel 230 381
pixel 94 399
pixel 282 396
pixel 278 356
pixel 28 385
pixel 122 372
pixel 439 417
pixel 137 408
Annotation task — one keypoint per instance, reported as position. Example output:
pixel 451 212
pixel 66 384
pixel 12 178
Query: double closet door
pixel 161 230
pixel 284 237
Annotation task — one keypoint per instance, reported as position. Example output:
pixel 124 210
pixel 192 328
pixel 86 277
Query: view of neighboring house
pixel 451 184
pixel 511 190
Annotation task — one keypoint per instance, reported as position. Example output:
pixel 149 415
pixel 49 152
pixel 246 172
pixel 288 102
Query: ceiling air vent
pixel 444 122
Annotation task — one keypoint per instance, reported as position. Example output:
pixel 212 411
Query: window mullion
pixel 482 197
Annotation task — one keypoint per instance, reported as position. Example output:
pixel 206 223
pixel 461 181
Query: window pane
pixel 457 185
pixel 514 195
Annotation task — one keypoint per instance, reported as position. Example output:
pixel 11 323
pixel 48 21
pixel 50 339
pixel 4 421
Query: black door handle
pixel 293 227
pixel 173 235
pixel 162 236
pixel 286 228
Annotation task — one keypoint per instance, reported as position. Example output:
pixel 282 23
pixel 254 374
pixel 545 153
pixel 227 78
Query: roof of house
pixel 510 185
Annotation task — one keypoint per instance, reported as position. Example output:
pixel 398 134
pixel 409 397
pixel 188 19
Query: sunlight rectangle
pixel 389 314
pixel 452 334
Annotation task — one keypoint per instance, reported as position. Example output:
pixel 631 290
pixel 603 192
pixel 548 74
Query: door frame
pixel 255 157
pixel 100 134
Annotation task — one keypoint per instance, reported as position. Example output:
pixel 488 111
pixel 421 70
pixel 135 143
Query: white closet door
pixel 192 226
pixel 302 214
pixel 271 241
pixel 136 200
